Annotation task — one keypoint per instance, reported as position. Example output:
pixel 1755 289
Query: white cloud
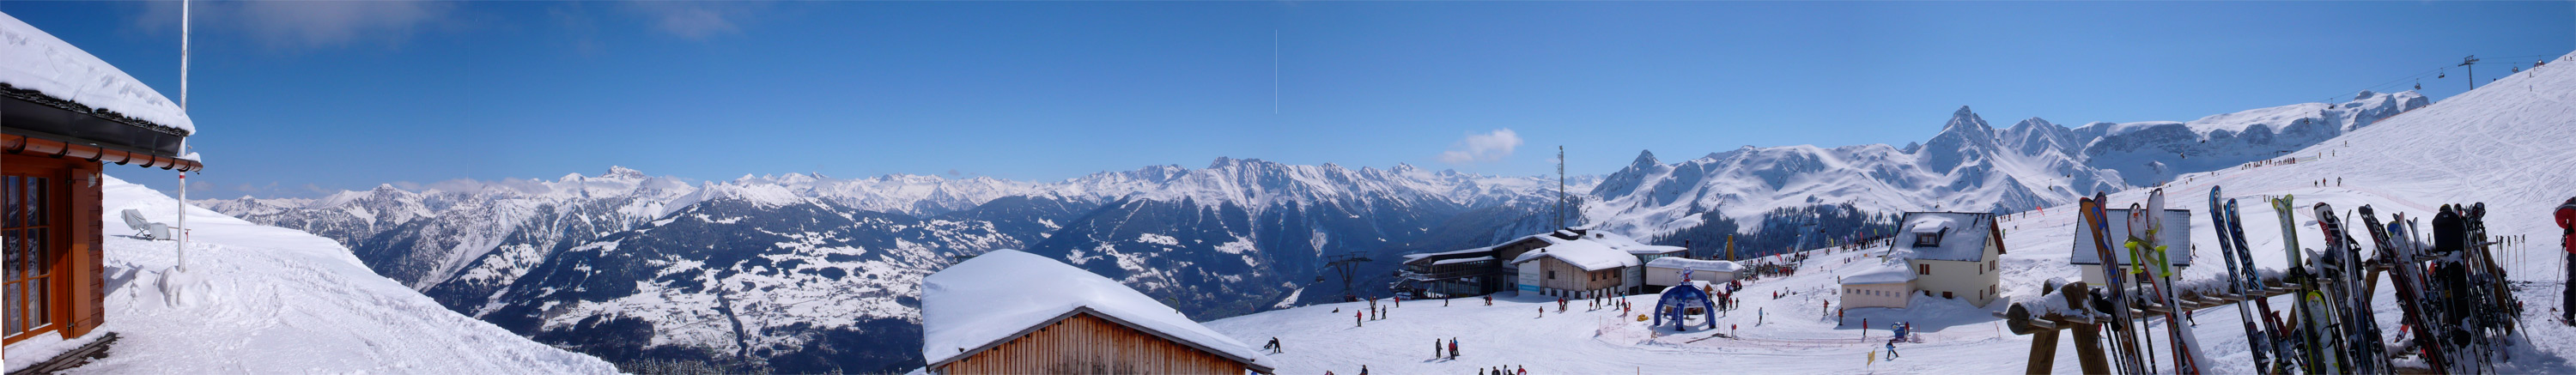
pixel 1478 148
pixel 694 20
pixel 303 24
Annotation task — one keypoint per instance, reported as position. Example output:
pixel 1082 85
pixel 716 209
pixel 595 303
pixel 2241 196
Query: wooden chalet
pixel 1011 312
pixel 64 116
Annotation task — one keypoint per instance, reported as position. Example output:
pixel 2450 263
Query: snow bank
pixel 998 294
pixel 31 59
pixel 283 301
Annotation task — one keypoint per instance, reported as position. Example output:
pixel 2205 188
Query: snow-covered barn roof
pixel 31 59
pixel 2176 236
pixel 1582 253
pixel 1695 264
pixel 1963 235
pixel 1005 294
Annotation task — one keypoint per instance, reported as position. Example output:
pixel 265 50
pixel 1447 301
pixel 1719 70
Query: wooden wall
pixel 1086 344
pixel 1569 277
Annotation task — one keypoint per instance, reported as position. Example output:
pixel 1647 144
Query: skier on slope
pixel 2567 238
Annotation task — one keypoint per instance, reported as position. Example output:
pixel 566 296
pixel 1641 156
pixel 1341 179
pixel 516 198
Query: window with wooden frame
pixel 34 230
pixel 1923 269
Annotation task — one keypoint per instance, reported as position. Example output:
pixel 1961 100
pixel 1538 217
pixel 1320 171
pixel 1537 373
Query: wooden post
pixel 2043 352
pixel 2088 336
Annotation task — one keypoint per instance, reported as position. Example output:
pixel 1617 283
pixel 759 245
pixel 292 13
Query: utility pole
pixel 1560 187
pixel 2470 62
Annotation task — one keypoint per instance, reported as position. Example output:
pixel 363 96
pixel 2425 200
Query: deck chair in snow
pixel 146 228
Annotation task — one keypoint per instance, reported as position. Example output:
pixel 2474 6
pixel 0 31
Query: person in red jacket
pixel 2567 233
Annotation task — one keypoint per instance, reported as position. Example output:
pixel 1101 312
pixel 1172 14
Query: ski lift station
pixel 1572 262
pixel 2176 236
pixel 1951 255
pixel 65 115
pixel 1011 312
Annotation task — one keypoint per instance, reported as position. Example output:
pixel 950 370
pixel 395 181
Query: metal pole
pixel 183 107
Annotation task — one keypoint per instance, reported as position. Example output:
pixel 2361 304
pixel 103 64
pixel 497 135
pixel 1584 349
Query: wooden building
pixel 1579 269
pixel 1011 312
pixel 63 119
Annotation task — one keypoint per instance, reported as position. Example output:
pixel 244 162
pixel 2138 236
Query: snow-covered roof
pixel 1882 273
pixel 1582 253
pixel 1418 256
pixel 2176 236
pixel 1695 264
pixel 1630 245
pixel 1933 224
pixel 1005 294
pixel 1463 260
pixel 1963 235
pixel 31 59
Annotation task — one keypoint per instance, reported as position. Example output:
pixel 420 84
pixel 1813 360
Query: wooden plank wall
pixel 1085 344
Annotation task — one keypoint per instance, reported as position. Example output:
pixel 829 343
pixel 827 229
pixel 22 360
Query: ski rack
pixel 2088 346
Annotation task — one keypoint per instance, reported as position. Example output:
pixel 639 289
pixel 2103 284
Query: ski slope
pixel 277 301
pixel 2502 144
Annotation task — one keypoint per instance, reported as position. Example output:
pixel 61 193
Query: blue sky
pixel 295 96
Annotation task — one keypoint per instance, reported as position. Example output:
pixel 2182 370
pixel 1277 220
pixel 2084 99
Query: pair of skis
pixel 2407 275
pixel 2151 263
pixel 2247 282
pixel 2364 351
pixel 2114 301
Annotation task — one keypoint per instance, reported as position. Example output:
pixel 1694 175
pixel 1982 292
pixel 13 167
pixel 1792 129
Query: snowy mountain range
pixel 1968 166
pixel 809 273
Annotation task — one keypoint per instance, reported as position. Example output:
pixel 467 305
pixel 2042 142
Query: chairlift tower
pixel 2471 62
pixel 1346 264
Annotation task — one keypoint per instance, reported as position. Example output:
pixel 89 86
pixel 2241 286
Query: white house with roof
pixel 1011 312
pixel 2176 236
pixel 1952 255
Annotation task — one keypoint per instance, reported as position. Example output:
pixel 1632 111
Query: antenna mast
pixel 1560 186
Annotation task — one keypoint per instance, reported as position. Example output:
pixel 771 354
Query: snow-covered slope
pixel 2150 152
pixel 280 301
